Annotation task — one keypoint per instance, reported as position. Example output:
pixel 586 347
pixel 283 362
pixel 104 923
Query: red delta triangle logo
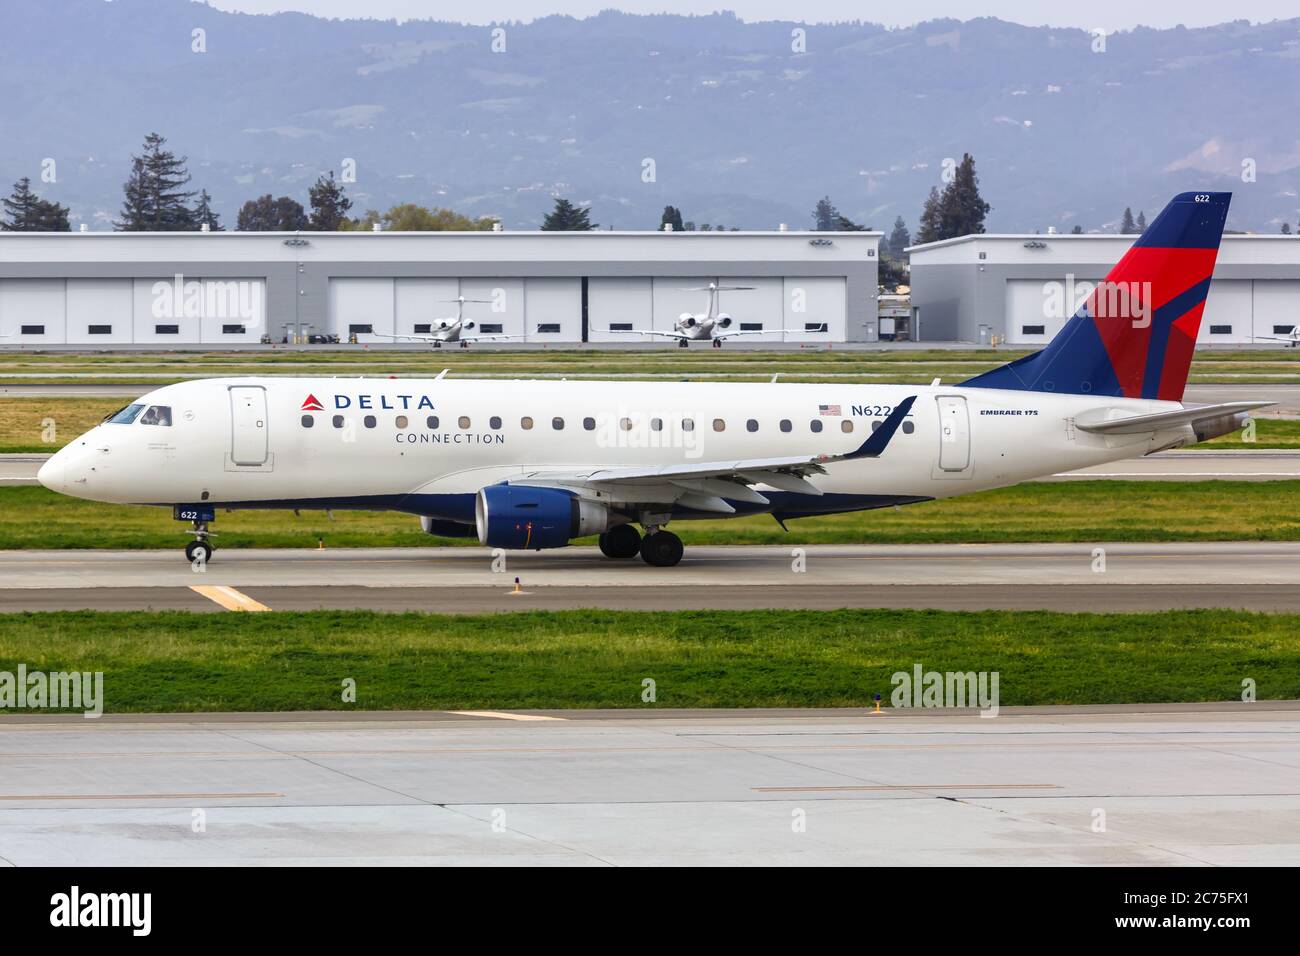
pixel 312 404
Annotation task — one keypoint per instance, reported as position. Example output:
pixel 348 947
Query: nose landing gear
pixel 198 551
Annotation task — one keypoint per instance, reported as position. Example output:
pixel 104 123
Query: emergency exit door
pixel 248 425
pixel 954 433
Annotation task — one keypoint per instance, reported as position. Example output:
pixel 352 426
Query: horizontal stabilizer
pixel 1097 421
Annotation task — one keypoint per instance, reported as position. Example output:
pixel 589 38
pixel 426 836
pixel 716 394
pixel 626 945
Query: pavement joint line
pixel 139 796
pixel 228 597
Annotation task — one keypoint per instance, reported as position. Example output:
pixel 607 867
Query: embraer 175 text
pixel 539 464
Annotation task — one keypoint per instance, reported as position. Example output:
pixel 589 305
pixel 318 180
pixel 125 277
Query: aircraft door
pixel 248 445
pixel 954 433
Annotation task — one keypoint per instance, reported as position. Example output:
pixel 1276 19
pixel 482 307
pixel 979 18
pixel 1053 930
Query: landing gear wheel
pixel 663 549
pixel 198 551
pixel 623 541
pixel 682 343
pixel 717 343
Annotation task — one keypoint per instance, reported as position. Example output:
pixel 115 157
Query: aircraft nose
pixel 52 473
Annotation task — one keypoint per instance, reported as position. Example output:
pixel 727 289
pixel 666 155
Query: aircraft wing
pixel 671 335
pixel 727 335
pixel 413 337
pixel 1096 421
pixel 705 485
pixel 470 337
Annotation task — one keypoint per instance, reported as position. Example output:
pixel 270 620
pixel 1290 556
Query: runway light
pixel 877 710
pixel 517 589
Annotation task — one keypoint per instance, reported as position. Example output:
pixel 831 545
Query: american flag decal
pixel 828 409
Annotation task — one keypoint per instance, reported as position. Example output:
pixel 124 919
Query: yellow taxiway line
pixel 228 597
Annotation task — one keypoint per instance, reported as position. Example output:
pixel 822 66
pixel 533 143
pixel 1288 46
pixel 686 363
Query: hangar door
pixel 954 433
pixel 248 424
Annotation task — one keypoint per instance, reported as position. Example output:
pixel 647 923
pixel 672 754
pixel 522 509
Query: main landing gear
pixel 683 343
pixel 661 549
pixel 622 541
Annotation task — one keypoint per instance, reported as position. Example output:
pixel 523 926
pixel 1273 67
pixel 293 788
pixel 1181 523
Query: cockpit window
pixel 157 415
pixel 124 416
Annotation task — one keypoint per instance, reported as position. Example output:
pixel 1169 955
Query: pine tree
pixel 825 215
pixel 27 212
pixel 899 238
pixel 1126 225
pixel 671 215
pixel 566 217
pixel 1077 231
pixel 204 215
pixel 156 199
pixel 961 209
pixel 1142 221
pixel 329 205
pixel 931 223
pixel 20 208
pixel 1286 228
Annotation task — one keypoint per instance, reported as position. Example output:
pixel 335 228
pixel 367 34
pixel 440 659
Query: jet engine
pixel 467 325
pixel 686 320
pixel 1225 424
pixel 524 517
pixel 724 320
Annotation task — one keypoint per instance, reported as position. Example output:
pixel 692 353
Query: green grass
pixel 176 661
pixel 32 517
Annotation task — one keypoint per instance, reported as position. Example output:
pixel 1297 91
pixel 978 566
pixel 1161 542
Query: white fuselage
pixel 427 446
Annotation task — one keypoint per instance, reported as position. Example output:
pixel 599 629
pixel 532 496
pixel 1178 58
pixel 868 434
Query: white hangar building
pixel 185 289
pixel 1016 287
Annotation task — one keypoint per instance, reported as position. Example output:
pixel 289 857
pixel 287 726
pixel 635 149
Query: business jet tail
pixel 1135 334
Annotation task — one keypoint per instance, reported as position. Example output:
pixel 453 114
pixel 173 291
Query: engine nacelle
pixel 446 529
pixel 724 320
pixel 467 325
pixel 524 517
pixel 1223 425
pixel 686 320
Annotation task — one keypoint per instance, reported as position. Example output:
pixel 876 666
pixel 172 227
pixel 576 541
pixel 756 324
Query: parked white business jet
pixel 453 329
pixel 711 325
pixel 1292 340
pixel 536 465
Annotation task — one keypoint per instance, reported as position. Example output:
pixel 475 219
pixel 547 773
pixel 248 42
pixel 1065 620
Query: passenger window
pixel 908 428
pixel 625 424
pixel 368 421
pixel 557 423
pixel 846 426
pixel 656 424
pixel 525 423
pixel 338 421
pixel 719 425
pixel 875 427
pixel 402 421
pixel 815 424
pixel 308 421
pixel 124 416
pixel 785 425
pixel 431 421
pixel 589 424
pixel 494 422
pixel 752 425
pixel 157 415
pixel 464 421
pixel 688 424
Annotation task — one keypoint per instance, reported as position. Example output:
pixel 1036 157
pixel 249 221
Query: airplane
pixel 1292 340
pixel 710 325
pixel 450 330
pixel 543 464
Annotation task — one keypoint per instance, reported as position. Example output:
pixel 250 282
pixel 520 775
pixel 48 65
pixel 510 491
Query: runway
pixel 1177 786
pixel 1063 577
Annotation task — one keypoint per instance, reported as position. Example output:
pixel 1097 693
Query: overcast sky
pixel 1110 14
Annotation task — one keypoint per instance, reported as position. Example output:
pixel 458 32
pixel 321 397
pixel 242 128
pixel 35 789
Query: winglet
pixel 879 439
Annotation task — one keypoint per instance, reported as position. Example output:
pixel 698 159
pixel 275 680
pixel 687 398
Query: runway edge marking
pixel 502 715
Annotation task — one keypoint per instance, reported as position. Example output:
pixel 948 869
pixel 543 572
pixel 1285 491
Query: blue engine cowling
pixel 523 517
